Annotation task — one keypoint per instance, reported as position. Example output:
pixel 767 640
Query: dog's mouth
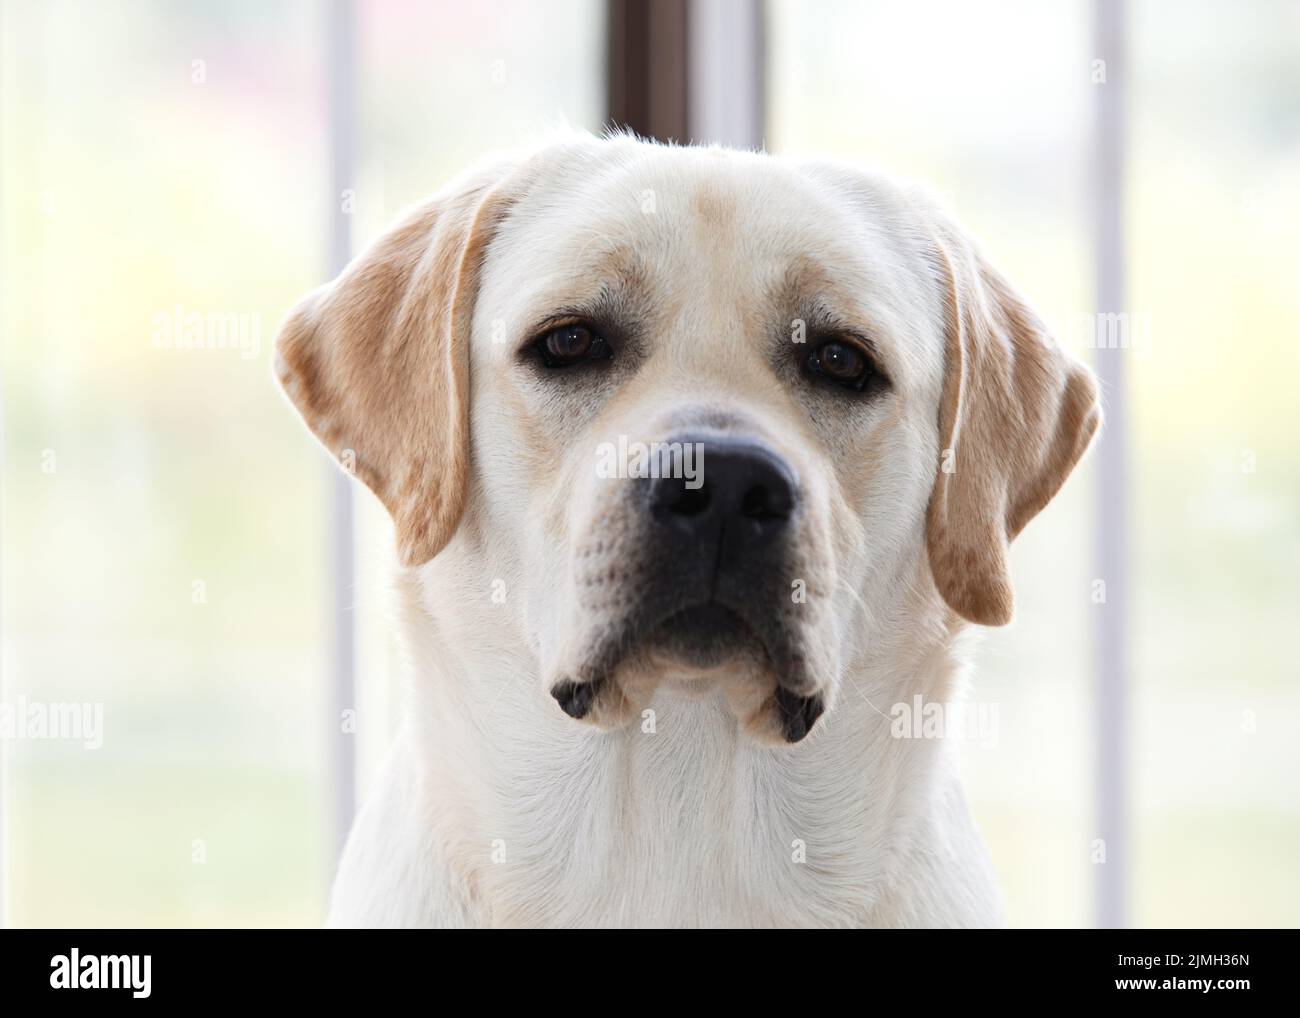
pixel 704 636
pixel 707 641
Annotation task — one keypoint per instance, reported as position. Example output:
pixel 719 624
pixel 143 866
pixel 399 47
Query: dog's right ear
pixel 377 362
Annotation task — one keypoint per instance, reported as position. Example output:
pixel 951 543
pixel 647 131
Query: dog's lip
pixel 637 639
pixel 710 612
pixel 575 698
pixel 798 713
pixel 798 703
pixel 696 642
pixel 637 636
pixel 750 638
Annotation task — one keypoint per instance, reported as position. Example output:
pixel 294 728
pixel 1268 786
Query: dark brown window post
pixel 646 64
pixel 687 70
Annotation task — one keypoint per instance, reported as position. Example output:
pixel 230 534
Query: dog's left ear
pixel 377 362
pixel 1016 414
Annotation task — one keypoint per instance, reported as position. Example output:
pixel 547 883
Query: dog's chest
pixel 698 829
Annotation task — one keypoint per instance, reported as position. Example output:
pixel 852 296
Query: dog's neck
pixel 530 818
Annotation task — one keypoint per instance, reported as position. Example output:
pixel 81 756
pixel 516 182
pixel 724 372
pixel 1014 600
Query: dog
pixel 653 692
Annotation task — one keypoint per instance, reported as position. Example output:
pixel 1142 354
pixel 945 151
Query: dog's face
pixel 712 412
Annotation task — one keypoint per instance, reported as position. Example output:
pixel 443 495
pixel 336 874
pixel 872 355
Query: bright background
pixel 135 179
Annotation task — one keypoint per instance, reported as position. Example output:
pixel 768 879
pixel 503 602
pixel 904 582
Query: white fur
pixel 495 809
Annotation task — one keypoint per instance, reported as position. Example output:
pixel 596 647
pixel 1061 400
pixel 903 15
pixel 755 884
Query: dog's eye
pixel 571 344
pixel 841 363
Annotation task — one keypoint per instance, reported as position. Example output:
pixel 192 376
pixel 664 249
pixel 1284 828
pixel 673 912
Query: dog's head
pixel 710 412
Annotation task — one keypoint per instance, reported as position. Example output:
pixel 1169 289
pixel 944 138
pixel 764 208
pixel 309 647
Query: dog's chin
pixel 704 638
pixel 694 652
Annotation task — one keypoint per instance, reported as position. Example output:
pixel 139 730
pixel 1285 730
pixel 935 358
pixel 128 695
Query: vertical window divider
pixel 1110 530
pixel 340 70
pixel 726 43
pixel 4 743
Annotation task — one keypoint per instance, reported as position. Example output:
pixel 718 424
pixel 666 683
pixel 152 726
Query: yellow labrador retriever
pixel 695 458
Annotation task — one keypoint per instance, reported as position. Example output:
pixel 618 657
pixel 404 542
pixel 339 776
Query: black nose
pixel 742 495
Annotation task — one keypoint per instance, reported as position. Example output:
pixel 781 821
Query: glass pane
pixel 161 521
pixel 1214 213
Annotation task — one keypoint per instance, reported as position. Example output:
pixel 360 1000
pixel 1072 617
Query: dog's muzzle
pixel 721 548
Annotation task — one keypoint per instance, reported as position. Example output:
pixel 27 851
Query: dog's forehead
pixel 683 206
pixel 720 229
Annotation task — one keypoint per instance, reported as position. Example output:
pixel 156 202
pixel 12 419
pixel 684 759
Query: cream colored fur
pixel 675 804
